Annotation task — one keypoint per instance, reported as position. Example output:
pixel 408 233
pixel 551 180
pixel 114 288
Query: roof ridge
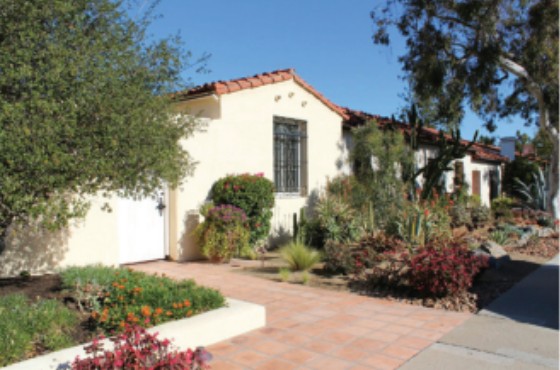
pixel 221 87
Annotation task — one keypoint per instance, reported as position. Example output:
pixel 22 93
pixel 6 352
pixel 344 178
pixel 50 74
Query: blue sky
pixel 327 42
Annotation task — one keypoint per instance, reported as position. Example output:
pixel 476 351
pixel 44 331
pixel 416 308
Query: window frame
pixel 300 137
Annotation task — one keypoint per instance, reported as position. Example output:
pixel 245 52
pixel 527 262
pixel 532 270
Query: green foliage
pixel 25 326
pixel 224 233
pixel 337 220
pixel 480 215
pixel 338 257
pixel 415 227
pixel 460 215
pixel 534 194
pixel 497 58
pixel 84 108
pixel 381 162
pixel 254 194
pixel 501 237
pixel 299 257
pixel 448 151
pixel 502 206
pixel 132 297
pixel 284 274
pixel 520 168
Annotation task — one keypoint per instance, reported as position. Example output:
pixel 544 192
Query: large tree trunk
pixel 544 122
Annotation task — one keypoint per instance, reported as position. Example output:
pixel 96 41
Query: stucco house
pixel 480 170
pixel 273 123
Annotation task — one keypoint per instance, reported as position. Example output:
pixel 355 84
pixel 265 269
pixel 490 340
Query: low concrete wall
pixel 205 329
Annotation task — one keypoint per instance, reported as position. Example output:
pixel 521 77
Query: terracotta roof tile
pixel 226 87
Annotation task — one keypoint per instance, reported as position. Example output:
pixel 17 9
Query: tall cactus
pixel 448 151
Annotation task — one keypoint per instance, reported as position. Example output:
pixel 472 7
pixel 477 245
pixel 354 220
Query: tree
pixel 487 140
pixel 382 165
pixel 84 108
pixel 469 52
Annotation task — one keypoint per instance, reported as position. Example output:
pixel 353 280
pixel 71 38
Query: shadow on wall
pixel 282 234
pixel 33 249
pixel 188 249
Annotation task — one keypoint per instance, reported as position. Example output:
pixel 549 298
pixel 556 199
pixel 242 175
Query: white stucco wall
pixel 239 138
pixel 88 241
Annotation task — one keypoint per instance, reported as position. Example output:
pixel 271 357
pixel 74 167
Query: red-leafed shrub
pixel 138 349
pixel 444 271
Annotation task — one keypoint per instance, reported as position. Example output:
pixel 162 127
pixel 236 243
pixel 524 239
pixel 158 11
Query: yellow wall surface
pixel 238 138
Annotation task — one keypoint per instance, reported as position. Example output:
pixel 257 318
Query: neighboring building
pixel 273 123
pixel 481 169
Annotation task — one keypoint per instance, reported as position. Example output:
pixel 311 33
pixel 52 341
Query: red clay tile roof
pixel 227 87
pixel 427 135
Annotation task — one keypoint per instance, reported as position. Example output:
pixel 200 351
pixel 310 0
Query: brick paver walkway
pixel 310 328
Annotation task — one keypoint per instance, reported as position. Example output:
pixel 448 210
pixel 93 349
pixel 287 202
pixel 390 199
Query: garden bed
pixel 487 286
pixel 45 313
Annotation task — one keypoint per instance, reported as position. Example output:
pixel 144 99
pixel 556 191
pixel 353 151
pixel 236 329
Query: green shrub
pixel 545 220
pixel 25 327
pixel 415 226
pixel 136 298
pixel 460 215
pixel 338 221
pixel 502 206
pixel 254 194
pixel 223 233
pixel 284 274
pixel 480 215
pixel 338 257
pixel 501 237
pixel 299 257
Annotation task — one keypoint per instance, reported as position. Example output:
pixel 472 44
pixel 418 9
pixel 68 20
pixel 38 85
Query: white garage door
pixel 141 230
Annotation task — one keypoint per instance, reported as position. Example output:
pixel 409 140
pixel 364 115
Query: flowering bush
pixel 224 233
pixel 254 194
pixel 135 348
pixel 135 298
pixel 444 271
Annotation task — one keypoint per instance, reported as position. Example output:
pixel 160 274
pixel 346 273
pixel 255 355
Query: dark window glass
pixel 289 155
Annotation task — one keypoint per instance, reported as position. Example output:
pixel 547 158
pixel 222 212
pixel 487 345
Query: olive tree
pixel 85 108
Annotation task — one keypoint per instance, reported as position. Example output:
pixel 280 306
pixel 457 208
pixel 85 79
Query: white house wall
pixel 89 241
pixel 240 140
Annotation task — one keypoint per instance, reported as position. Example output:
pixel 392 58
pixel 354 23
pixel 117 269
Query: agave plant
pixel 535 193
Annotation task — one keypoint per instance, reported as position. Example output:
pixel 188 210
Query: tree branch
pixel 533 87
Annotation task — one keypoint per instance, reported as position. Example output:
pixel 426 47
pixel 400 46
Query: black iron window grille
pixel 290 156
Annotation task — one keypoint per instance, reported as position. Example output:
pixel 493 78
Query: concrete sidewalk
pixel 519 330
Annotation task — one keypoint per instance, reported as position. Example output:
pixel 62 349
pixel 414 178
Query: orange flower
pixel 187 303
pixel 169 313
pixel 158 311
pixel 94 315
pixel 189 313
pixel 174 305
pixel 121 324
pixel 146 311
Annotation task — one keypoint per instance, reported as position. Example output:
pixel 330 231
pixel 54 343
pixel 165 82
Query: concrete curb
pixel 201 330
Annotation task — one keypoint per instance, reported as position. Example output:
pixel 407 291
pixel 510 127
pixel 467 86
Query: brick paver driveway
pixel 310 328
